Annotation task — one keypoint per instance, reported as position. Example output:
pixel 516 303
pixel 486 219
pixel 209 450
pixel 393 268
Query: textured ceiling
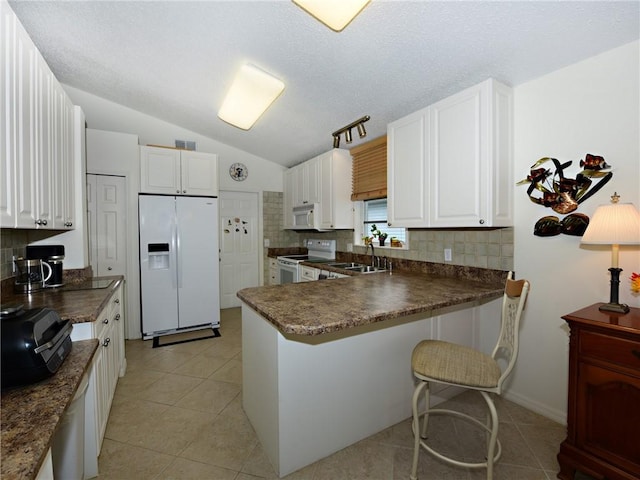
pixel 174 59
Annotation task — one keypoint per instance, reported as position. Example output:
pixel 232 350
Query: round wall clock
pixel 239 172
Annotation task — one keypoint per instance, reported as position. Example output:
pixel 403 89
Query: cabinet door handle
pixel 636 353
pixel 481 221
pixel 117 316
pixel 105 321
pixel 106 342
pixel 117 300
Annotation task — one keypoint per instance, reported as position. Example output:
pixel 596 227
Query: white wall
pixel 102 114
pixel 589 107
pixel 112 153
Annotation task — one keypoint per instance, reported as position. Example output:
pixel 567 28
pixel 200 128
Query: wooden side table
pixel 603 416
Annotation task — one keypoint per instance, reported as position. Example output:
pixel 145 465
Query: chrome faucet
pixel 373 258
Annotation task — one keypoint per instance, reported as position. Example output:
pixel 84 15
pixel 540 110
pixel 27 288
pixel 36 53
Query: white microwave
pixel 306 217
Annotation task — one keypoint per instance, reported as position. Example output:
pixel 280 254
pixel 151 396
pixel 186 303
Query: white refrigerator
pixel 179 262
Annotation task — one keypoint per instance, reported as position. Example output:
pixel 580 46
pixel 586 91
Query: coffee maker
pixel 53 256
pixel 30 275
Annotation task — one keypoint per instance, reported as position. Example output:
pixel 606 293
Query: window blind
pixel 370 170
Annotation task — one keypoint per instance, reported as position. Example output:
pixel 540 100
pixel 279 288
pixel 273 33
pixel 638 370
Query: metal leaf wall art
pixel 564 194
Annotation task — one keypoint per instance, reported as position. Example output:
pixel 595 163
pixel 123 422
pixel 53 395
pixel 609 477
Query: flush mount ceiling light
pixel 359 124
pixel 335 14
pixel 253 90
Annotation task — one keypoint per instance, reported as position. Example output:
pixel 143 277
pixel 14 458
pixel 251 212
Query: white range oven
pixel 320 251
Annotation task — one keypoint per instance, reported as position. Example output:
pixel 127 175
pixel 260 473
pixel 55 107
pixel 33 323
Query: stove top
pixel 319 251
pixel 305 258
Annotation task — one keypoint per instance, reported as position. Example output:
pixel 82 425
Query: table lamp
pixel 614 224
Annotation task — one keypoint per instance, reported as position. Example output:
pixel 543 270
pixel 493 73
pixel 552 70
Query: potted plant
pixel 381 236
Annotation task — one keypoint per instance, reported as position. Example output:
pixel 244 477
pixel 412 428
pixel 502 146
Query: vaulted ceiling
pixel 175 60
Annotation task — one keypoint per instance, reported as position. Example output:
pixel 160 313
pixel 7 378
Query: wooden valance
pixel 370 170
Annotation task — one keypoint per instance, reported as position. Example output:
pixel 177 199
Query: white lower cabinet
pixel 46 469
pixel 308 274
pixel 274 278
pixel 109 363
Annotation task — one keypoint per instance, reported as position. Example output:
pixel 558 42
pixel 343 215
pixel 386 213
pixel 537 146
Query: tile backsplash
pixel 471 247
pixel 12 242
pixel 485 248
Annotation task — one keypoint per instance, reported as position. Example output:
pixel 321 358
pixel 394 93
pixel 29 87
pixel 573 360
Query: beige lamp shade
pixel 614 224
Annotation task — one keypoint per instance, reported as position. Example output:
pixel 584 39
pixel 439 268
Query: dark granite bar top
pixel 315 308
pixel 30 415
pixel 77 301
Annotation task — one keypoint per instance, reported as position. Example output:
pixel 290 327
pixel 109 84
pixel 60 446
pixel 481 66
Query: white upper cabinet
pixel 470 157
pixel 290 186
pixel 407 202
pixel 37 136
pixel 178 172
pixel 450 164
pixel 335 173
pixel 302 184
pixel 324 180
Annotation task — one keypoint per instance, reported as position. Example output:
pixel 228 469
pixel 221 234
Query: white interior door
pixel 238 245
pixel 107 215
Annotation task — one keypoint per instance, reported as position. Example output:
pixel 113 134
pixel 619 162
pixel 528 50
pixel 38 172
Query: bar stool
pixel 436 361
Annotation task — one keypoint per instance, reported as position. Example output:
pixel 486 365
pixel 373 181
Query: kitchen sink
pixel 356 267
pixel 365 269
pixel 344 265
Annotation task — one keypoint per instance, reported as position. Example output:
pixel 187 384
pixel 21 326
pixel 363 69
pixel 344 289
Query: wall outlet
pixel 266 243
pixel 349 247
pixel 447 254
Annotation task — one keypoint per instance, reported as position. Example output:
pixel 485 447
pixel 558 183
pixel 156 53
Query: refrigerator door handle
pixel 178 250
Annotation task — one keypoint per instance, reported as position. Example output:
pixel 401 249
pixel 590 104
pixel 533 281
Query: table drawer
pixel 620 351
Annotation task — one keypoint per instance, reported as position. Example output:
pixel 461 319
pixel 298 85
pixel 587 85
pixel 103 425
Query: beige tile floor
pixel 177 414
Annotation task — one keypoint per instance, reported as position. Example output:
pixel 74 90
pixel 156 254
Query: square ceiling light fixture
pixel 335 14
pixel 253 90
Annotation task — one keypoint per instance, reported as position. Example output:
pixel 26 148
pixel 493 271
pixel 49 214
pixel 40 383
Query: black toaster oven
pixel 34 344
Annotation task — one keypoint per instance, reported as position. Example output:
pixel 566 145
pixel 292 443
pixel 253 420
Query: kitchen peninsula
pixel 327 363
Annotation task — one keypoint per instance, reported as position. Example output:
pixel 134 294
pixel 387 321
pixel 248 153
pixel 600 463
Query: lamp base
pixel 614 307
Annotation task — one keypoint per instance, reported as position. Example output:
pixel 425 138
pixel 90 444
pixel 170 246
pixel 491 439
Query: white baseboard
pixel 544 410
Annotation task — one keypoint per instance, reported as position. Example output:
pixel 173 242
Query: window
pixel 375 212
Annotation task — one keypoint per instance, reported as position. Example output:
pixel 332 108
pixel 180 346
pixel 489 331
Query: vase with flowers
pixel 381 236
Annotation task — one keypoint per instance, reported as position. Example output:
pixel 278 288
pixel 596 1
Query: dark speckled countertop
pixel 315 308
pixel 30 415
pixel 76 302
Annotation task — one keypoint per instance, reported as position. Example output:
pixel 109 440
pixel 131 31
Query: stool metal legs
pixel 420 432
